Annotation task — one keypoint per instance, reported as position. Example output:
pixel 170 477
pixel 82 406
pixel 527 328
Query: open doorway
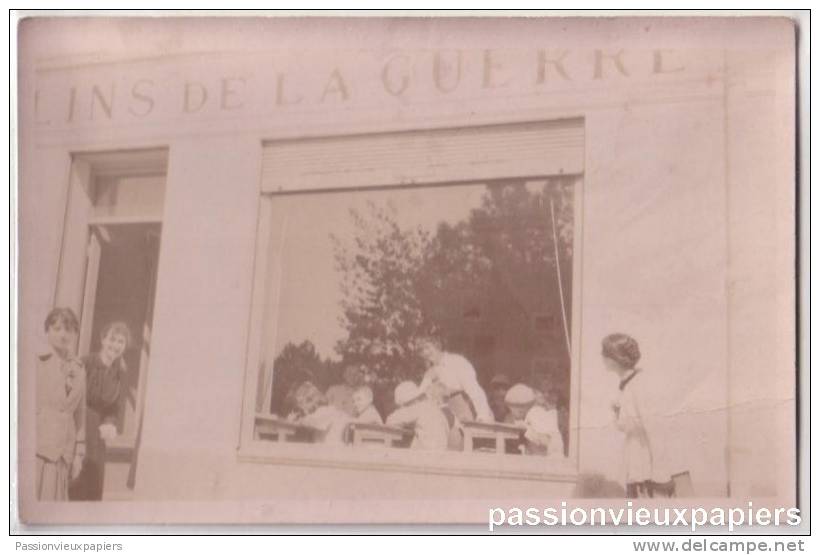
pixel 125 284
pixel 108 273
pixel 122 276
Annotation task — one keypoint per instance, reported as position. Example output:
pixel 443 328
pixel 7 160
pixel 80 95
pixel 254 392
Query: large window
pixel 406 257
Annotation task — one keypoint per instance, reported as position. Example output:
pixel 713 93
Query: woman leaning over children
pixel 105 376
pixel 60 391
pixel 452 379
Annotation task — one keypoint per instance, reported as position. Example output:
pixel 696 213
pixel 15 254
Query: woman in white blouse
pixel 644 478
pixel 457 384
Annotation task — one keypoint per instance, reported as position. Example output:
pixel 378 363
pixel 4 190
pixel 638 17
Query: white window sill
pixel 386 459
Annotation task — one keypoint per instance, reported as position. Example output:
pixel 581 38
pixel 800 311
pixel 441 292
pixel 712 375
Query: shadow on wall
pixel 597 486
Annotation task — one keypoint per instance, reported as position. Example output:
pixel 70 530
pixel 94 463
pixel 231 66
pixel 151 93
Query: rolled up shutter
pixel 425 157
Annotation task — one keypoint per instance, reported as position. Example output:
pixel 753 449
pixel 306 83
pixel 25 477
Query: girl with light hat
pixel 542 436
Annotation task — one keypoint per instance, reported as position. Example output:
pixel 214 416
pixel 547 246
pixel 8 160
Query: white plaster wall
pixel 42 208
pixel 761 185
pixel 202 306
pixel 654 248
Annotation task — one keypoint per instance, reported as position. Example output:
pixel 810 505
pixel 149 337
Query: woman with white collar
pixel 645 476
pixel 60 392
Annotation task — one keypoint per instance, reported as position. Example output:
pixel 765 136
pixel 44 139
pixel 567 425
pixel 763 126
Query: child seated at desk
pixel 416 410
pixel 363 406
pixel 542 436
pixel 317 413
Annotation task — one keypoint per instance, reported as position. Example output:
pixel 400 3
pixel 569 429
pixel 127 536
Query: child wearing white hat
pixel 542 436
pixel 416 410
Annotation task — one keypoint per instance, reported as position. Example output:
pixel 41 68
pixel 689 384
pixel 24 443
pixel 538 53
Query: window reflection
pixel 360 283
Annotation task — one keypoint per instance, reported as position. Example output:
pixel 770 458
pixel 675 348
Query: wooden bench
pixel 271 427
pixel 377 434
pixel 496 432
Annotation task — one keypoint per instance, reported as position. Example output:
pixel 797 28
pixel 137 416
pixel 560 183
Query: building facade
pixel 172 173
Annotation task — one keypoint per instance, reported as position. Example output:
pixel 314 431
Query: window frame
pixel 386 459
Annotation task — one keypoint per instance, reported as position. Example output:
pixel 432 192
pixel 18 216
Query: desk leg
pixel 468 441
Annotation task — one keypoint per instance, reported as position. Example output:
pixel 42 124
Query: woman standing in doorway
pixel 60 390
pixel 644 478
pixel 105 374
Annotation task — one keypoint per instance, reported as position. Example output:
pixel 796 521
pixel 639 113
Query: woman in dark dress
pixel 105 376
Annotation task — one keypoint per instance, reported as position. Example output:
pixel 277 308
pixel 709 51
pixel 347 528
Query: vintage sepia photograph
pixel 331 269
